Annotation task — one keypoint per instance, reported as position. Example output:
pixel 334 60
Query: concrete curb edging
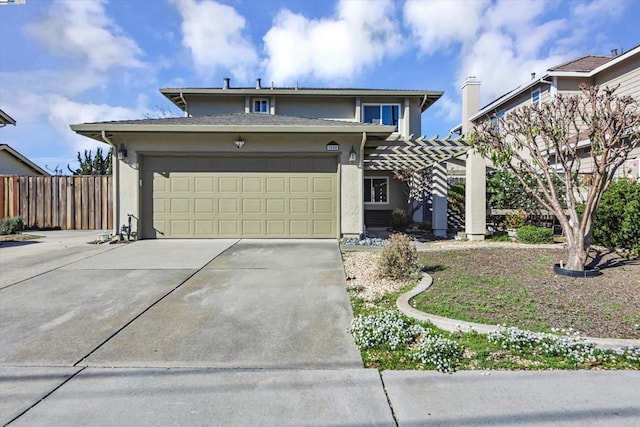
pixel 452 325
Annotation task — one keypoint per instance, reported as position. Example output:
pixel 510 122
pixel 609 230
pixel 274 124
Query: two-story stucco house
pixel 262 162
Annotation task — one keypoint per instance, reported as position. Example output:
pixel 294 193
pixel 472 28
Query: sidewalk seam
pixel 384 389
pixel 45 396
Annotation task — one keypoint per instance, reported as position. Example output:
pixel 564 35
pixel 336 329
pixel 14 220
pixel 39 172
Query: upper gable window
pixel 261 105
pixel 381 114
pixel 496 120
pixel 535 97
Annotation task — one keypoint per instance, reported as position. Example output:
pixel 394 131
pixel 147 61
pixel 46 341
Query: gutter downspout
pixel 424 101
pixel 115 163
pixel 361 187
pixel 186 106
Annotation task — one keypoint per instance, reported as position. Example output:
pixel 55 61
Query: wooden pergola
pixel 397 153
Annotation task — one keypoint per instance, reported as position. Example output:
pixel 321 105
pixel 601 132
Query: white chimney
pixel 258 84
pixel 225 83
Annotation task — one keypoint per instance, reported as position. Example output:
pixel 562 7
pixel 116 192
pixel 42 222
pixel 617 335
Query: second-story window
pixel 496 121
pixel 535 97
pixel 381 114
pixel 261 105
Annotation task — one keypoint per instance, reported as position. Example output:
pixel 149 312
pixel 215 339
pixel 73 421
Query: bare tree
pixel 549 143
pixel 417 188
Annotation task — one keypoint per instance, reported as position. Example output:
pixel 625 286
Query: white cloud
pixel 213 32
pixel 82 29
pixel 361 35
pixel 438 24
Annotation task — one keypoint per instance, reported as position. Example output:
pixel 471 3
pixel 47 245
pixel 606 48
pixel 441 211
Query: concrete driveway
pixel 278 306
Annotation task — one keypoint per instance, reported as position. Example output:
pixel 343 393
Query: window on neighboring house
pixel 376 190
pixel 495 120
pixel 261 106
pixel 382 114
pixel 535 97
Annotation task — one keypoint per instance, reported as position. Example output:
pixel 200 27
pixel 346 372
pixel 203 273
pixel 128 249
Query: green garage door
pixel 227 197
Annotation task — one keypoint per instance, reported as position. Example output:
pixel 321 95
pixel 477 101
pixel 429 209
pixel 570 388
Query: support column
pixel 475 212
pixel 439 187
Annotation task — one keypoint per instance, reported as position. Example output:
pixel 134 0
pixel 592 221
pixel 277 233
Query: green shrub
pixel 515 219
pixel 501 237
pixel 11 225
pixel 399 258
pixel 617 221
pixel 399 220
pixel 533 234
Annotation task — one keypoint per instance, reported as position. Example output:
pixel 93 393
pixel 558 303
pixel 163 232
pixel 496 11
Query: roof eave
pixel 95 130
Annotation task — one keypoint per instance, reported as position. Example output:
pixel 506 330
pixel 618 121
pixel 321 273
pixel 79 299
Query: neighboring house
pixel 618 69
pixel 6 119
pixel 266 161
pixel 14 163
pixel 622 70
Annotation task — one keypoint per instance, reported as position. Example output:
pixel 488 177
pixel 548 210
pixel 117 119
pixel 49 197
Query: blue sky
pixel 76 61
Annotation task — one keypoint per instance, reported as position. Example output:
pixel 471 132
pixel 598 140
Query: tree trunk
pixel 577 257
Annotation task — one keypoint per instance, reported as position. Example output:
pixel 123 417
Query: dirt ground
pixel 604 306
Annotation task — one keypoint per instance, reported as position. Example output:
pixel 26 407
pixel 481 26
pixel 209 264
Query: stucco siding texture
pixel 10 165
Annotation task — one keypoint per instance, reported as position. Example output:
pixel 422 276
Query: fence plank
pixel 33 201
pixel 71 204
pixel 24 198
pixel 55 203
pixel 46 183
pixel 62 203
pixel 91 208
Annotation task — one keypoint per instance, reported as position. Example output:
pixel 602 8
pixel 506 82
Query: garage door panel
pixel 288 198
pixel 229 227
pixel 299 206
pixel 276 206
pixel 299 185
pixel 181 206
pixel 252 184
pixel 322 206
pixel 204 184
pixel 204 206
pixel 299 227
pixel 228 206
pixel 275 184
pixel 252 206
pixel 228 184
pixel 180 227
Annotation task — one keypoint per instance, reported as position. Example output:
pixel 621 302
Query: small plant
pixel 534 235
pixel 569 345
pixel 11 225
pixel 515 219
pixel 439 352
pixel 399 258
pixel 501 237
pixel 399 220
pixel 386 329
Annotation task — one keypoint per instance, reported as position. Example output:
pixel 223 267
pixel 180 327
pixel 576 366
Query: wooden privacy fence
pixel 66 202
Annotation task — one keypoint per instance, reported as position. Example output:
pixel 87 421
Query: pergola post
pixel 475 212
pixel 439 204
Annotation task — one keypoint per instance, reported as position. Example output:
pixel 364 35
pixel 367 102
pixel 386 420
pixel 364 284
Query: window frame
pixel 539 93
pixel 256 100
pixel 380 105
pixel 372 193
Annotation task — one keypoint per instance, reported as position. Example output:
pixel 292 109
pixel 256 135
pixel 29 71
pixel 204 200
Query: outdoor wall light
pixel 122 152
pixel 353 156
pixel 239 142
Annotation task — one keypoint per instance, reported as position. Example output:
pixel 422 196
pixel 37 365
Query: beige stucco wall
pixel 329 107
pixel 10 165
pixel 396 193
pixel 129 170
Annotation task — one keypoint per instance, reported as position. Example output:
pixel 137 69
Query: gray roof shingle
pixel 584 64
pixel 239 119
